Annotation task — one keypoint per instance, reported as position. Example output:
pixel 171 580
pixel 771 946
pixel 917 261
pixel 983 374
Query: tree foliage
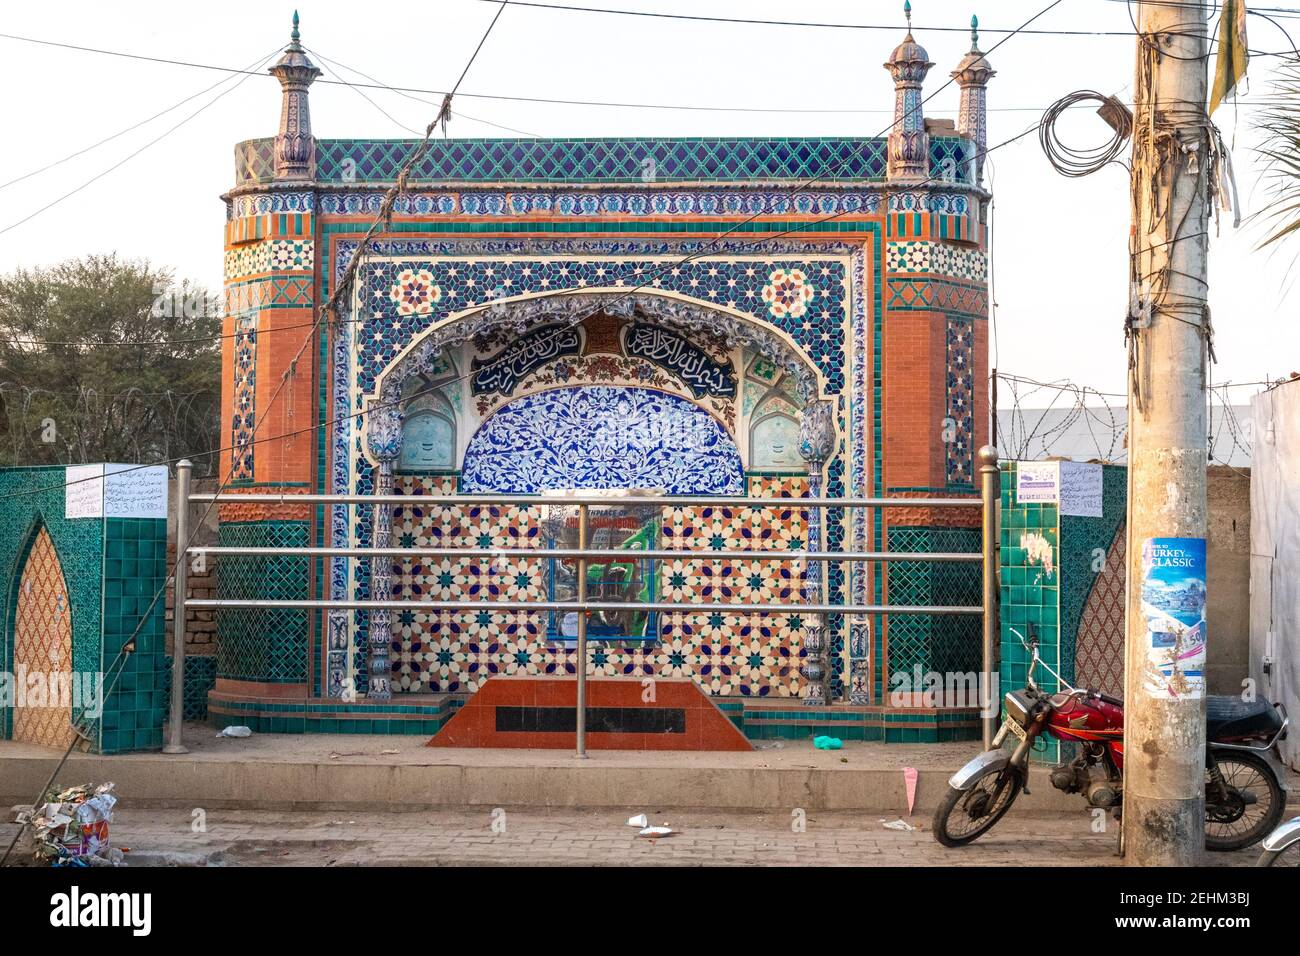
pixel 107 359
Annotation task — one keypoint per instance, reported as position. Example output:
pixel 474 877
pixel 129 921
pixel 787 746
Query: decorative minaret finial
pixel 972 75
pixel 294 146
pixel 909 145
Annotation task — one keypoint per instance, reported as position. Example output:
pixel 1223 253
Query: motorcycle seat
pixel 1228 717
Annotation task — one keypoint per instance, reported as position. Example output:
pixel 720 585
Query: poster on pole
pixel 1173 606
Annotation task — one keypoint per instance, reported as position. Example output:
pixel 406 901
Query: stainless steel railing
pixel 582 605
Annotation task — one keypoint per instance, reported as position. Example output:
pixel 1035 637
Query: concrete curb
pixel 144 781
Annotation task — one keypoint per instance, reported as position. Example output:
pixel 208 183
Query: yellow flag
pixel 1230 64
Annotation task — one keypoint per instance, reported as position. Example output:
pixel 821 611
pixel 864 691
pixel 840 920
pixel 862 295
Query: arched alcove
pixel 42 636
pixel 774 434
pixel 428 432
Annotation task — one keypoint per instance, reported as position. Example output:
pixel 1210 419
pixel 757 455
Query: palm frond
pixel 1280 151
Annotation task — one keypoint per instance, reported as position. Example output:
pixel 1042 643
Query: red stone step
pixel 541 712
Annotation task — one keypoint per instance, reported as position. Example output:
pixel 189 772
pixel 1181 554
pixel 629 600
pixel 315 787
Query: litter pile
pixel 71 827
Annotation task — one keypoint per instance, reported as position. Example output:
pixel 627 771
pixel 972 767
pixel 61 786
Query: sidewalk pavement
pixel 525 836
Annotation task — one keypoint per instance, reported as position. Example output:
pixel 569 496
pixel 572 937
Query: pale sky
pixel 1059 244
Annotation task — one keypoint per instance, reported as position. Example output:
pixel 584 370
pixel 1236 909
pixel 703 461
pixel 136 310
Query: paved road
pixel 466 837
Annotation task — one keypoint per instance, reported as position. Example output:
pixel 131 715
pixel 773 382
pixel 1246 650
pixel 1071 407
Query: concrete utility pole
pixel 1164 720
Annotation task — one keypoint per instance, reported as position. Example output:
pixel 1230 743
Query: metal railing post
pixel 177 715
pixel 988 456
pixel 811 605
pixel 582 635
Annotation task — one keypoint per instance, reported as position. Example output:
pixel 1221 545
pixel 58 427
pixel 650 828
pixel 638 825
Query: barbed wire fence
pixel 1027 433
pixel 50 426
pixel 1064 419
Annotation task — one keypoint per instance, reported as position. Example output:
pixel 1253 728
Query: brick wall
pixel 200 625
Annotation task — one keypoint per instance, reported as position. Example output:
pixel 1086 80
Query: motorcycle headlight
pixel 1018 708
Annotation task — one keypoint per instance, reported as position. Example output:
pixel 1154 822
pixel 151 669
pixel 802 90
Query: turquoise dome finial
pixel 294 35
pixel 907 12
pixel 974 32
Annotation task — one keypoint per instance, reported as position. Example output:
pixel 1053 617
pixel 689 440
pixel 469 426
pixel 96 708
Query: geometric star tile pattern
pixel 755 655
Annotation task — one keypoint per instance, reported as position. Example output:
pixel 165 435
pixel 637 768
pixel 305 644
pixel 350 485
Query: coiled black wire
pixel 1072 162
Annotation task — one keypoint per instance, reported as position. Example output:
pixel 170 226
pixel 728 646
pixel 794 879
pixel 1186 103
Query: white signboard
pixel 84 491
pixel 1037 481
pixel 116 491
pixel 1080 489
pixel 134 491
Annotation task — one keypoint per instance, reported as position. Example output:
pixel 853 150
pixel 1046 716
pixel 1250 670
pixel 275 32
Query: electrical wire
pixel 130 156
pixel 134 126
pixel 1071 161
pixel 1285 12
pixel 291 372
pixel 1286 33
pixel 557 101
pixel 418 99
pixel 843 162
pixel 571 8
pixel 1145 41
pixel 748 21
pixel 697 18
pixel 375 406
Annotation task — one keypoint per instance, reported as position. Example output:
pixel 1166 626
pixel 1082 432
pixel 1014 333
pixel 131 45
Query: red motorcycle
pixel 1244 798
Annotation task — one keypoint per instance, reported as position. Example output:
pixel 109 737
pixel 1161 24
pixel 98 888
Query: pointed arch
pixel 41 649
pixel 517 314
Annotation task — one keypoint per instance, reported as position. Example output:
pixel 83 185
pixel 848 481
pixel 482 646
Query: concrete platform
pixel 389 773
pixel 318 771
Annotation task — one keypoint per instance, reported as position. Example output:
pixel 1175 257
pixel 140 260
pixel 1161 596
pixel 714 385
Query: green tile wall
pixel 200 676
pixel 941 643
pixel 1030 592
pixel 261 644
pixel 1052 602
pixel 1080 538
pixel 135 570
pixel 113 568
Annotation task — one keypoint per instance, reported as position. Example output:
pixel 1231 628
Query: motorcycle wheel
pixel 1287 857
pixel 966 815
pixel 1236 824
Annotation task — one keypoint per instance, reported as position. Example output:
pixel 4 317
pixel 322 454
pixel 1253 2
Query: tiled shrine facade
pixel 757 317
